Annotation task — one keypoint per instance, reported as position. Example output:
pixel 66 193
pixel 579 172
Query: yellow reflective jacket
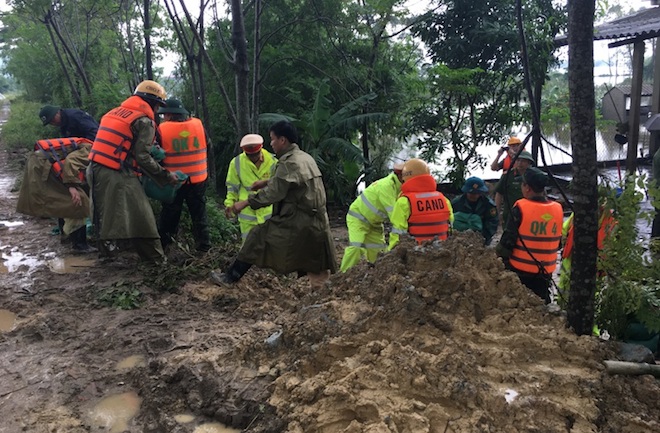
pixel 241 175
pixel 376 202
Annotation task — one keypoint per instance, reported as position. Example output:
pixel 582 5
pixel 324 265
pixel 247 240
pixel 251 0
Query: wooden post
pixel 635 106
pixel 655 99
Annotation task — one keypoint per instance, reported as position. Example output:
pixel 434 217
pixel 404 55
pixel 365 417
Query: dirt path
pixel 430 339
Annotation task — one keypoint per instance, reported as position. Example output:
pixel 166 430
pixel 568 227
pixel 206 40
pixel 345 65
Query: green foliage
pixel 554 100
pixel 628 284
pixel 329 137
pixel 23 127
pixel 463 108
pixel 121 295
pixel 221 230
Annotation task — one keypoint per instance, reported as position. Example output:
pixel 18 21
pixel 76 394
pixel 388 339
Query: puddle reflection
pixel 69 264
pixel 115 412
pixel 131 362
pixel 16 261
pixel 7 320
pixel 11 223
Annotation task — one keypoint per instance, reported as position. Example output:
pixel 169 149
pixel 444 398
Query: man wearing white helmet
pixel 254 164
pixel 121 151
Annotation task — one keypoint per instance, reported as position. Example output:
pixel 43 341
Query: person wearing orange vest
pixel 420 211
pixel 512 147
pixel 532 235
pixel 54 185
pixel 183 138
pixel 606 225
pixel 119 155
pixel 72 123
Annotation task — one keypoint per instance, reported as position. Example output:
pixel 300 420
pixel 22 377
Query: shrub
pixel 23 127
pixel 629 281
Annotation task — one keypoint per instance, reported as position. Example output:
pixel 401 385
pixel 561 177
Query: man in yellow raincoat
pixel 365 217
pixel 254 164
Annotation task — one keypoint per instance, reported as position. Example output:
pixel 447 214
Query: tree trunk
pixel 256 69
pixel 585 187
pixel 65 71
pixel 241 69
pixel 147 40
pixel 71 54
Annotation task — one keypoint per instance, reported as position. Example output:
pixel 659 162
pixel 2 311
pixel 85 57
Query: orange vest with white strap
pixel 429 215
pixel 114 137
pixel 57 149
pixel 607 224
pixel 184 144
pixel 540 231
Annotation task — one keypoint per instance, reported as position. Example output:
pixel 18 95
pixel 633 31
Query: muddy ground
pixel 435 339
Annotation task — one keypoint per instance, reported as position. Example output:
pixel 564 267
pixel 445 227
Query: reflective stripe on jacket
pixel 57 149
pixel 241 175
pixel 185 148
pixel 115 137
pixel 607 223
pixel 540 230
pixel 375 204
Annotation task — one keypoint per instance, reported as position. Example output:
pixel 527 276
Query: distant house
pixel 616 103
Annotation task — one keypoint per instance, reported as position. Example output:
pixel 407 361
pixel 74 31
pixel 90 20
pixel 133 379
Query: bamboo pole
pixel 631 368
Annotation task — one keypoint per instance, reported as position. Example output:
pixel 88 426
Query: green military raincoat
pixel 43 195
pixel 297 237
pixel 120 203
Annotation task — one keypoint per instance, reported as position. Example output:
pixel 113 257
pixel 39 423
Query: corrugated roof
pixel 644 24
pixel 647 89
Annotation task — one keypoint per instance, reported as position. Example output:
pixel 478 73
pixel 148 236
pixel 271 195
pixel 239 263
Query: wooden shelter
pixel 634 29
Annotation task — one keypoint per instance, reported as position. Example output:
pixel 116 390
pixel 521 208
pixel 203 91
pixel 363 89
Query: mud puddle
pixel 7 320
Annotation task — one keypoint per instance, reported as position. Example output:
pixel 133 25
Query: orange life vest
pixel 57 149
pixel 429 215
pixel 115 138
pixel 185 148
pixel 607 224
pixel 540 230
pixel 506 164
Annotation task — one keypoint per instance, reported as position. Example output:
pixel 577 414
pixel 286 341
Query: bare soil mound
pixel 434 338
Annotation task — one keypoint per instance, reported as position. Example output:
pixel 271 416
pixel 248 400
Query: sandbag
pixel 164 193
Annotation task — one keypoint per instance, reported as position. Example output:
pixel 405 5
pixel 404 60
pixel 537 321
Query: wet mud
pixel 438 338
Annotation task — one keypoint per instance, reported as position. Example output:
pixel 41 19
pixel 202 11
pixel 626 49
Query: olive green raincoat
pixel 43 195
pixel 120 204
pixel 297 237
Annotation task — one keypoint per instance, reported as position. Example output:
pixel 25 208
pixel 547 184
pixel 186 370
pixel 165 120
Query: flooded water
pixel 113 413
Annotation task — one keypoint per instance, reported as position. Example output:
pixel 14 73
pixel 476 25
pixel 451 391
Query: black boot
pixel 79 241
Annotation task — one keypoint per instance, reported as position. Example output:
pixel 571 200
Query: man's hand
pixel 230 212
pixel 240 205
pixel 258 184
pixel 174 179
pixel 75 196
